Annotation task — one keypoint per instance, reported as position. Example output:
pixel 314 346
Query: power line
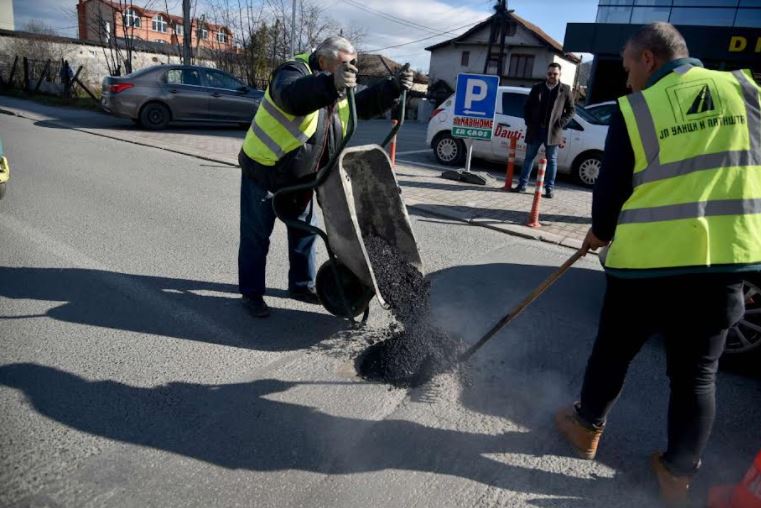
pixel 395 19
pixel 420 40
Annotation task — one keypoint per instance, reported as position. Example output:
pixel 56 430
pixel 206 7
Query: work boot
pixel 583 437
pixel 518 188
pixel 674 489
pixel 256 306
pixel 549 194
pixel 304 294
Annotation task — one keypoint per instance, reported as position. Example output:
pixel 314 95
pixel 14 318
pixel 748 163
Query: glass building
pixel 740 13
pixel 724 34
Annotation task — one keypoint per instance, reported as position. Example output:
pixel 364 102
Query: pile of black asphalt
pixel 411 352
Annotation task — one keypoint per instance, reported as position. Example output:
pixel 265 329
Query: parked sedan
pixel 155 96
pixel 580 152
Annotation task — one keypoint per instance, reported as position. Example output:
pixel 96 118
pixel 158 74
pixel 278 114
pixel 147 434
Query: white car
pixel 579 154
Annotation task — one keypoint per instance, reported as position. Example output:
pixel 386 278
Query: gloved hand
pixel 404 77
pixel 345 76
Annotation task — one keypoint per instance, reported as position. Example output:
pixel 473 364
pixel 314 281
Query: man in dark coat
pixel 310 84
pixel 548 110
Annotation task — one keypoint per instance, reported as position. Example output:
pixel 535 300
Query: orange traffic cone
pixel 746 494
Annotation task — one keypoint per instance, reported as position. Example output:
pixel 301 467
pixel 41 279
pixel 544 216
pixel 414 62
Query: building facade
pixel 100 20
pixel 724 34
pixel 528 52
pixel 6 15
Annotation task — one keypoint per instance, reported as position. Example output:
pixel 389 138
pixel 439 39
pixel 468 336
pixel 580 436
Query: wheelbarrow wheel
pixel 357 295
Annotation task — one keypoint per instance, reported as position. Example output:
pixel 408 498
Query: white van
pixel 579 154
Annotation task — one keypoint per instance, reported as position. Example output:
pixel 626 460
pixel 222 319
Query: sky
pixel 387 23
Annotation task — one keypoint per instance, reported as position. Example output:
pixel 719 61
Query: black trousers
pixel 692 313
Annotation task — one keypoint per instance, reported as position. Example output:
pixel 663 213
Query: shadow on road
pixel 249 430
pixel 186 309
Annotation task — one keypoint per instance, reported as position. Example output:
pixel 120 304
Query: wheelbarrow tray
pixel 363 198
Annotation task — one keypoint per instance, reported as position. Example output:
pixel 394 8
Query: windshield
pixel 587 116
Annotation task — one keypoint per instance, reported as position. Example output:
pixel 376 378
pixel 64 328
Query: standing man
pixel 297 128
pixel 548 110
pixel 680 187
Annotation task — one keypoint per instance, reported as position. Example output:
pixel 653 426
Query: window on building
pixel 614 14
pixel 513 103
pixel 131 18
pixel 653 2
pixel 159 23
pixel 202 33
pixel 160 41
pixel 464 58
pixel 222 37
pixel 183 77
pixel 179 29
pixel 644 15
pixel 705 3
pixel 616 2
pixel 748 18
pixel 750 3
pixel 521 66
pixel 702 16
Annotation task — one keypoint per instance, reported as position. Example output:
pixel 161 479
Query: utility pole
pixel 502 26
pixel 293 28
pixel 187 30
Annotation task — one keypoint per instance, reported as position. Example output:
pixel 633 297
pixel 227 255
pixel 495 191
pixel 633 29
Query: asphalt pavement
pixel 131 376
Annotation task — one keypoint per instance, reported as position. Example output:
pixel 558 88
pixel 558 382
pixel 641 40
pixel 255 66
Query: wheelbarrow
pixel 359 196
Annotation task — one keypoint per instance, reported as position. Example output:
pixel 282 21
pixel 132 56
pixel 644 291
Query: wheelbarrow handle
pixel 399 122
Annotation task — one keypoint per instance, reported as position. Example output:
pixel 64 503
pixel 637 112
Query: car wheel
pixel 155 116
pixel 586 168
pixel 448 150
pixel 745 336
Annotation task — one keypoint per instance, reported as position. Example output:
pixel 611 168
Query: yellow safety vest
pixel 274 132
pixel 696 137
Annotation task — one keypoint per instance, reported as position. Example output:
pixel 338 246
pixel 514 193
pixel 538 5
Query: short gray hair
pixel 662 39
pixel 334 45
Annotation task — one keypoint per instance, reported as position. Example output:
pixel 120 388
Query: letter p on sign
pixel 476 91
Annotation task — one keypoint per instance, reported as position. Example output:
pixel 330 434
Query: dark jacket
pixel 561 113
pixel 299 93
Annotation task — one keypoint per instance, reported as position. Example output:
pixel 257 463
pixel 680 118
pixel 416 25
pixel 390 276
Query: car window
pixel 588 116
pixel 217 79
pixel 183 77
pixel 512 104
pixel 603 113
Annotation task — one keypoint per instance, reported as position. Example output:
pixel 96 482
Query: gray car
pixel 155 96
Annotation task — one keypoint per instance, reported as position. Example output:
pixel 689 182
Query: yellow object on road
pixel 5 171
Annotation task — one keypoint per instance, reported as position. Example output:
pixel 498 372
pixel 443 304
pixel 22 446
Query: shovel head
pixel 362 198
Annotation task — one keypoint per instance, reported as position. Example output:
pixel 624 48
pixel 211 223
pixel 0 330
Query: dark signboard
pixel 706 42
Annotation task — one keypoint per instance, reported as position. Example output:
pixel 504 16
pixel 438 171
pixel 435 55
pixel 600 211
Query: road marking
pixel 410 152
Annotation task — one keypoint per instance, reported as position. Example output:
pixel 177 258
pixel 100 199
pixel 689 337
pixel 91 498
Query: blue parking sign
pixel 476 95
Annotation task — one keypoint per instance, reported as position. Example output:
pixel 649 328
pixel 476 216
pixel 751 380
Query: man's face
pixel 639 66
pixel 331 65
pixel 553 76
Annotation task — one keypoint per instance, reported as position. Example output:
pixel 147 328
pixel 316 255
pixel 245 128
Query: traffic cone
pixel 510 165
pixel 746 494
pixel 533 216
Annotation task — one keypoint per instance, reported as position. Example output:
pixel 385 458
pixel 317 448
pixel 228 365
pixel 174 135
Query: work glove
pixel 345 76
pixel 404 77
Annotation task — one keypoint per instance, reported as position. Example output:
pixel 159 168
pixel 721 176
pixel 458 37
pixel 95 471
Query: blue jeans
pixel 257 220
pixel 552 161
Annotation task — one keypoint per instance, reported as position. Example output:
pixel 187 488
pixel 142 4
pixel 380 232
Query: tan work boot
pixel 582 437
pixel 674 489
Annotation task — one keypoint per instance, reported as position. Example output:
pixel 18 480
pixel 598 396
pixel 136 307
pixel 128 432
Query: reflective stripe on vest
pixel 274 132
pixel 696 137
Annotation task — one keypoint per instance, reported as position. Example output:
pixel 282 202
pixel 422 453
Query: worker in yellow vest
pixel 298 126
pixel 679 195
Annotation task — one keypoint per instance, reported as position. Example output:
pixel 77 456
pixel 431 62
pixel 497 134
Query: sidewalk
pixel 565 219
